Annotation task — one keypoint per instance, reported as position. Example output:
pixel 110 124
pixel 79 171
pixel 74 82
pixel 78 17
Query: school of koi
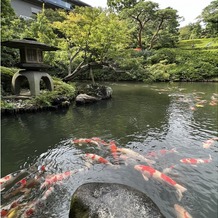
pixel 19 184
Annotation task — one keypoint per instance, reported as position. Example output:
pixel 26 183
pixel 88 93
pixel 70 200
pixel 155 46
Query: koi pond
pixel 172 128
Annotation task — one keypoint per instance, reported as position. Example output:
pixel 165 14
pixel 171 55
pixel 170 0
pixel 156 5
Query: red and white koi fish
pixel 85 141
pixel 209 142
pixel 181 212
pixel 32 207
pixel 113 149
pixel 162 152
pixel 100 141
pixel 47 193
pixel 135 155
pixel 53 179
pixel 148 172
pixel 97 158
pixel 10 178
pixel 196 160
pixel 22 186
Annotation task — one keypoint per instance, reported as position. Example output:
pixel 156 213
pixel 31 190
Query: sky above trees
pixel 189 9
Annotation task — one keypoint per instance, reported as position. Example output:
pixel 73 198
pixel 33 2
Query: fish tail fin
pixel 180 189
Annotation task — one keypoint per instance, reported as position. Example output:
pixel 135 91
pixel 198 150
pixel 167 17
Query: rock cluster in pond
pixel 103 200
pixel 93 93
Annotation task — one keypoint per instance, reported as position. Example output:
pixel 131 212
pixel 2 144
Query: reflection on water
pixel 144 118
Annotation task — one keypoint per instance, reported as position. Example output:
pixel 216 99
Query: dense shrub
pixel 6 78
pixel 182 65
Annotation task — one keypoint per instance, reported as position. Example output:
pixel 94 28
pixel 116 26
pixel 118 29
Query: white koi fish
pixel 149 172
pixel 135 155
pixel 195 161
pixel 181 212
pixel 85 141
pixel 209 142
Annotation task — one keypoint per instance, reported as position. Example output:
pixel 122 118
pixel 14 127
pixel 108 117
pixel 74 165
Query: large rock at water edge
pixel 84 99
pixel 104 200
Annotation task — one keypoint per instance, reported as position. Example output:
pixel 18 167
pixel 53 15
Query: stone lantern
pixel 31 63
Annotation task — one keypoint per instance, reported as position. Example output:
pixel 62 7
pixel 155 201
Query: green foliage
pixel 119 5
pixel 60 89
pixel 6 77
pixel 153 27
pixel 191 31
pixel 6 105
pixel 210 17
pixel 207 43
pixel 182 65
pixel 160 72
pixel 91 35
pixel 7 15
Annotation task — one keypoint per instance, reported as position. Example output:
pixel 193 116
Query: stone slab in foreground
pixel 103 200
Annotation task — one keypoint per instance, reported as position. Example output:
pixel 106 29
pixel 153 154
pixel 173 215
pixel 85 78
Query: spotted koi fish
pixel 24 185
pixel 209 142
pixel 82 141
pixel 53 179
pixel 135 155
pixel 32 207
pixel 181 212
pixel 97 158
pixel 10 178
pixel 149 172
pixel 195 161
pixel 162 152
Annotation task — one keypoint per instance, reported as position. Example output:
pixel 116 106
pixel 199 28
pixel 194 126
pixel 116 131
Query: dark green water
pixel 142 117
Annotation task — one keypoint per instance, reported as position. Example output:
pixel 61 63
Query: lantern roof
pixel 30 42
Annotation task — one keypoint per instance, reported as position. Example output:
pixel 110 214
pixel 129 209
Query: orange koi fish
pixel 196 160
pixel 10 178
pixel 135 155
pixel 85 141
pixel 97 158
pixel 162 152
pixel 209 142
pixel 148 172
pixel 53 179
pixel 181 212
pixel 113 149
pixel 213 103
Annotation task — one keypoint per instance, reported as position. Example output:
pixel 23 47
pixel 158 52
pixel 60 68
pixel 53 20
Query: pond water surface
pixel 144 118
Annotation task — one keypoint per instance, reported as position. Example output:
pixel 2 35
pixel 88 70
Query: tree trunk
pixel 91 75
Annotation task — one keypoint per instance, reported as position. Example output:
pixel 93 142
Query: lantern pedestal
pixel 33 78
